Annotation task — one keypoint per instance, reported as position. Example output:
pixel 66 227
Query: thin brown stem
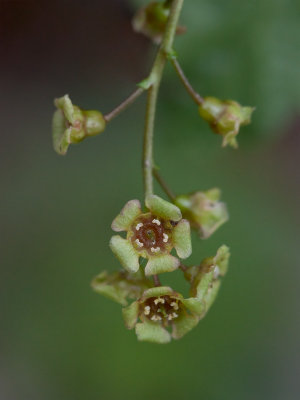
pixel 194 95
pixel 114 113
pixel 163 185
pixel 156 280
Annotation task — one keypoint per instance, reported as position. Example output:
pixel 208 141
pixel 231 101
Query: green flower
pixel 120 285
pixel 71 124
pixel 152 19
pixel 204 279
pixel 225 117
pixel 151 235
pixel 163 314
pixel 204 210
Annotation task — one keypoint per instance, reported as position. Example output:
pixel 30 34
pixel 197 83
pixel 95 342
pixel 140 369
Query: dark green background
pixel 59 340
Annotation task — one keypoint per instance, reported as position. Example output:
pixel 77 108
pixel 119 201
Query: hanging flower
pixel 204 210
pixel 163 314
pixel 151 235
pixel 71 124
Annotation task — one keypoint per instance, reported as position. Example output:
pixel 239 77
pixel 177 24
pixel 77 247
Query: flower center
pixel 152 234
pixel 163 308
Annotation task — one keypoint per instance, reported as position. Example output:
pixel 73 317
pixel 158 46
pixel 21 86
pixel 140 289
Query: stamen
pixel 156 221
pixel 166 238
pixel 156 318
pixel 155 249
pixel 174 305
pixel 170 317
pixel 147 310
pixel 159 300
pixel 139 226
pixel 140 244
pixel 174 315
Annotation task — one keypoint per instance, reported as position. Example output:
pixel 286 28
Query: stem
pixel 154 84
pixel 163 185
pixel 114 113
pixel 156 280
pixel 194 95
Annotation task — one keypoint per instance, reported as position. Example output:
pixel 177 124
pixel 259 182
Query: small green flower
pixel 164 314
pixel 120 286
pixel 151 235
pixel 71 124
pixel 151 20
pixel 204 210
pixel 204 278
pixel 225 117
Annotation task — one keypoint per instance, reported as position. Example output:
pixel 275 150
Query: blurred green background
pixel 59 340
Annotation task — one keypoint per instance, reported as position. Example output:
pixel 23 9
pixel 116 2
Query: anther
pixel 174 305
pixel 174 315
pixel 166 238
pixel 156 318
pixel 147 310
pixel 140 244
pixel 155 249
pixel 139 226
pixel 156 221
pixel 159 300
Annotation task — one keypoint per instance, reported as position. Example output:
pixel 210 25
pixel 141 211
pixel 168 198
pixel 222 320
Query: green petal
pixel 65 104
pixel 128 214
pixel 211 294
pixel 130 315
pixel 182 239
pixel 125 253
pixel 221 259
pixel 159 291
pixel 194 305
pixel 102 286
pixel 152 332
pixel 160 264
pixel 183 324
pixel 60 135
pixel 163 208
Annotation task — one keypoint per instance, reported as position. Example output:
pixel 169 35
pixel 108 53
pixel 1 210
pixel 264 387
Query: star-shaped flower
pixel 151 235
pixel 164 314
pixel 204 210
pixel 71 124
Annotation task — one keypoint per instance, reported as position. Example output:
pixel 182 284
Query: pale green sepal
pixel 160 264
pixel 102 286
pixel 201 284
pixel 130 315
pixel 94 122
pixel 128 214
pixel 125 253
pixel 60 135
pixel 65 104
pixel 157 292
pixel 211 294
pixel 194 305
pixel 182 239
pixel 222 259
pixel 148 331
pixel 163 208
pixel 183 324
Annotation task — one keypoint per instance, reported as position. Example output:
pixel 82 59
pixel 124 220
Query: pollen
pixel 155 249
pixel 174 305
pixel 156 221
pixel 166 238
pixel 139 243
pixel 175 315
pixel 147 310
pixel 139 226
pixel 156 318
pixel 159 300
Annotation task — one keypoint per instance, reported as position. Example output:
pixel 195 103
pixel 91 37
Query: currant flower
pixel 120 286
pixel 71 124
pixel 204 210
pixel 205 278
pixel 225 118
pixel 163 314
pixel 151 235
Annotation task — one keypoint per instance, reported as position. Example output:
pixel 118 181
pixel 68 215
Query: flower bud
pixel 71 124
pixel 203 210
pixel 225 117
pixel 151 20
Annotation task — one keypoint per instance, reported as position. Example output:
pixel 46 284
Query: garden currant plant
pixel 160 231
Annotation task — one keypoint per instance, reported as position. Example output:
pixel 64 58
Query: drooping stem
pixel 153 84
pixel 189 88
pixel 114 113
pixel 164 185
pixel 156 280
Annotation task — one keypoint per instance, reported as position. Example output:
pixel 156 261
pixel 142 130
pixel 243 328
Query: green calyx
pixel 71 124
pixel 225 117
pixel 204 210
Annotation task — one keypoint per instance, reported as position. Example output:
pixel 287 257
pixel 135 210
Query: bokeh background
pixel 59 340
